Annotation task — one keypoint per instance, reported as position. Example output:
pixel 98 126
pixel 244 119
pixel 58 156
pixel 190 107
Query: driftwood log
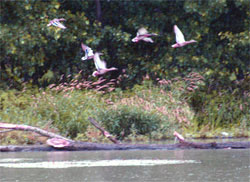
pixel 83 146
pixel 12 127
pixel 59 143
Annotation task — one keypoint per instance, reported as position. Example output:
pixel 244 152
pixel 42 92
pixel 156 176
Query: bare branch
pixel 5 131
pixel 104 132
pixel 179 137
pixel 32 129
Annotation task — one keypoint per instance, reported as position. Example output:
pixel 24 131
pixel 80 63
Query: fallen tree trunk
pixel 59 143
pixel 84 146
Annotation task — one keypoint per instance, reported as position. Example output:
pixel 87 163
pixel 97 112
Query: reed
pixel 149 111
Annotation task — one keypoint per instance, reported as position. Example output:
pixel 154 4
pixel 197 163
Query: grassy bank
pixel 150 111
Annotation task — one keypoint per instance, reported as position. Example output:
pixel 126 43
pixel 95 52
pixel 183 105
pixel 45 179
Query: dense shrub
pixel 123 119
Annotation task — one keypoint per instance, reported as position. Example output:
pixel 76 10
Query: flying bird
pixel 180 40
pixel 101 66
pixel 143 34
pixel 56 22
pixel 88 52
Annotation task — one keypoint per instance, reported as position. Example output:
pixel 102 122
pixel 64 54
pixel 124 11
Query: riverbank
pixel 151 111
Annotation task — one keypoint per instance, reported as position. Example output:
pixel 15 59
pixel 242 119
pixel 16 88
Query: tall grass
pixel 67 112
pixel 153 109
pixel 221 109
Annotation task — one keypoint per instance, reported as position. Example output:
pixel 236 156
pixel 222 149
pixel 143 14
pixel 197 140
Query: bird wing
pixel 84 47
pixel 99 64
pixel 147 39
pixel 178 35
pixel 58 24
pixel 61 19
pixel 142 31
pixel 88 51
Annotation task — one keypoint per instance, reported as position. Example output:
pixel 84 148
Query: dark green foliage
pixel 32 52
pixel 220 109
pixel 122 120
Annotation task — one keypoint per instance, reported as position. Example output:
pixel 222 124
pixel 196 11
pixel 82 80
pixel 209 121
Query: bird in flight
pixel 56 22
pixel 101 66
pixel 88 52
pixel 142 34
pixel 180 40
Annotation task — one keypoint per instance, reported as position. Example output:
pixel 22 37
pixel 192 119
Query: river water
pixel 122 166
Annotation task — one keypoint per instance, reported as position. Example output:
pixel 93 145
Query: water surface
pixel 164 165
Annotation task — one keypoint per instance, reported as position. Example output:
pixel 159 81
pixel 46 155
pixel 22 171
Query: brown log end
pixel 57 143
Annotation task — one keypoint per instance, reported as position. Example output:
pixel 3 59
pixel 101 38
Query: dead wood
pixel 32 129
pixel 183 142
pixel 59 143
pixel 104 132
pixel 6 131
pixel 85 146
pixel 212 145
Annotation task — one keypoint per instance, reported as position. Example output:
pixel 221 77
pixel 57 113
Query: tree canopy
pixel 34 53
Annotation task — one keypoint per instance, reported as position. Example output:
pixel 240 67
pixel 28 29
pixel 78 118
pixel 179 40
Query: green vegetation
pixel 34 53
pixel 123 120
pixel 201 89
pixel 147 112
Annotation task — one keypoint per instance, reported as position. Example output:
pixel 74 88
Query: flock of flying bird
pixel 142 35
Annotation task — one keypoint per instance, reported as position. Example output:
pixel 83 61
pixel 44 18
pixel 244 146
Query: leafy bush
pixel 162 111
pixel 122 120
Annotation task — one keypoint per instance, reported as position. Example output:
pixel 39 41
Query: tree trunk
pixel 98 10
pixel 59 143
pixel 84 146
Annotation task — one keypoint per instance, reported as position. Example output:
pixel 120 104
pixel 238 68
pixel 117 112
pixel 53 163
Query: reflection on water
pixel 89 163
pixel 177 165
